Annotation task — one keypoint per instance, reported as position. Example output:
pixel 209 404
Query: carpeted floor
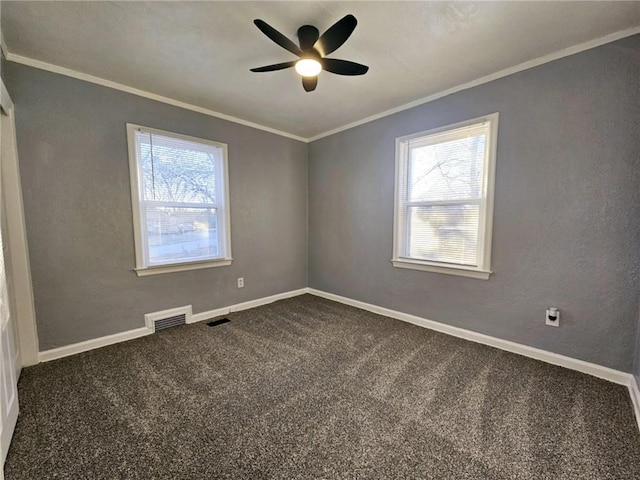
pixel 308 388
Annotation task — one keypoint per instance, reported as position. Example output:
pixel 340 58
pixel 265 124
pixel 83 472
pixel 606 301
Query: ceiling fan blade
pixel 277 37
pixel 308 36
pixel 274 67
pixel 343 67
pixel 337 34
pixel 309 83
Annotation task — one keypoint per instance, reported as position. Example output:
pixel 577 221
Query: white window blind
pixel 180 193
pixel 444 197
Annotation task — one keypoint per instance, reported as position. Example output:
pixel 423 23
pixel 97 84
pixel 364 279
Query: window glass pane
pixel 175 170
pixel 447 171
pixel 181 234
pixel 445 233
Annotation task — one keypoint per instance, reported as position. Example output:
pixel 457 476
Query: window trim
pixel 485 222
pixel 134 181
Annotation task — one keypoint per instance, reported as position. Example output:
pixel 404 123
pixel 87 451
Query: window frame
pixel 400 256
pixel 142 268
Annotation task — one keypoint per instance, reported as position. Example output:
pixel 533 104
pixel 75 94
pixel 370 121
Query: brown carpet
pixel 308 388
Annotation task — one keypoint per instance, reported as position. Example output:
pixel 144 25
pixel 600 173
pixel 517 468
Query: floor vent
pixel 215 323
pixel 168 318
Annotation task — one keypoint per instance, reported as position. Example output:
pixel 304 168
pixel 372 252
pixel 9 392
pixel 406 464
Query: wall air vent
pixel 168 318
pixel 170 322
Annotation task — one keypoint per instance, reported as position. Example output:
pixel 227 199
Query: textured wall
pixel 566 222
pixel 75 174
pixel 636 362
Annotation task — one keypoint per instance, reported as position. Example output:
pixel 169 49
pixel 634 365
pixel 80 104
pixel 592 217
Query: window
pixel 180 197
pixel 444 198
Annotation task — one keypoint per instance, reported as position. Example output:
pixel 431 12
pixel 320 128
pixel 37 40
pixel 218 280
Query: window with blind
pixel 180 193
pixel 444 198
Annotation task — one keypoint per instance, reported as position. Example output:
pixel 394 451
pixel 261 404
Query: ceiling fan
pixel 313 50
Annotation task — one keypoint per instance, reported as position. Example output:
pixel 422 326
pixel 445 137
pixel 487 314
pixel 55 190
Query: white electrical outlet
pixel 552 317
pixel 240 282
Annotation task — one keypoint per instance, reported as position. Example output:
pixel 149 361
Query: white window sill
pixel 182 267
pixel 460 270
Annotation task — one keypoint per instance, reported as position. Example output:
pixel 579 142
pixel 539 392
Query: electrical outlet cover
pixel 552 323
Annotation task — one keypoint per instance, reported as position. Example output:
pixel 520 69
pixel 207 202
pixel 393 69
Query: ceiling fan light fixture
pixel 313 50
pixel 308 67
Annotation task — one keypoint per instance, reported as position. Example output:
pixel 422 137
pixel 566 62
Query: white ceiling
pixel 200 52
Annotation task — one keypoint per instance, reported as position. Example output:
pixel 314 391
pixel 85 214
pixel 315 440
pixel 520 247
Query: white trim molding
pixel 137 136
pixel 31 62
pixel 605 373
pixel 8 429
pixel 634 390
pixel 202 316
pixel 92 344
pixel 486 79
pixel 144 272
pixel 427 267
pixel 49 67
pixel 599 371
pixel 593 369
pixel 238 307
pixel 5 99
pixel 3 45
pixel 25 314
pixel 486 126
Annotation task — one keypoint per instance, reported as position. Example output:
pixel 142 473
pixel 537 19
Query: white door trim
pixel 25 316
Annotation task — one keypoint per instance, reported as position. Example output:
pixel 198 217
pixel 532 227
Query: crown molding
pixel 49 67
pixel 486 79
pixel 12 57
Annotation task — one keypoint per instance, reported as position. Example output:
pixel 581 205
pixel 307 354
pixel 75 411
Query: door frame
pixel 25 314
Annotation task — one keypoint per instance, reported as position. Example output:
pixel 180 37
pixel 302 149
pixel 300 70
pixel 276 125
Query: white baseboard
pixel 75 348
pixel 615 376
pixel 199 317
pixel 238 307
pixel 599 371
pixel 634 390
pixel 263 301
pixel 92 344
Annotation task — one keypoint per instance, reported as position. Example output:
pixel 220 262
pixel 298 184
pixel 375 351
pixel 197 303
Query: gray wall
pixel 566 222
pixel 75 180
pixel 636 362
pixel 565 229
